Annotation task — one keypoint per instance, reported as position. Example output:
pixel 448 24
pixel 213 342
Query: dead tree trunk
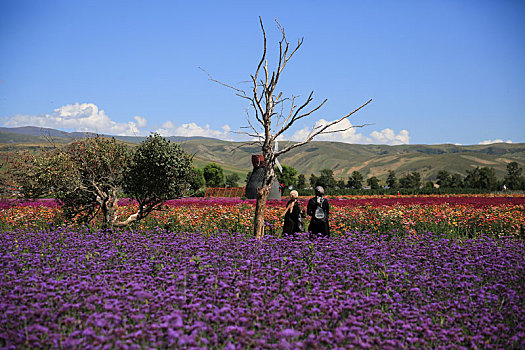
pixel 260 209
pixel 263 192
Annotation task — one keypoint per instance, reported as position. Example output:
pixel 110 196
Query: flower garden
pixel 399 272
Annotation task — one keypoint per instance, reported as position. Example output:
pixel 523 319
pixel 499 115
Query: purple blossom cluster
pixel 157 289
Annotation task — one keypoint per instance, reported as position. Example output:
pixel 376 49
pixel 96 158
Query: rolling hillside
pixel 342 158
pixel 370 160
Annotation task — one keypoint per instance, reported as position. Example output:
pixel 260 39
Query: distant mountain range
pixel 54 133
pixel 342 158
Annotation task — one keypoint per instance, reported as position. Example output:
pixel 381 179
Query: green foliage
pixel 232 180
pixel 482 178
pixel 26 174
pixel 301 182
pixel 428 185
pixel 196 180
pixel 373 182
pixel 86 177
pixel 443 178
pixel 214 175
pixel 159 170
pixel 456 181
pixel 288 176
pixel 447 180
pixel 391 180
pixel 313 180
pixel 513 179
pixel 392 191
pixel 355 181
pixel 412 180
pixel 326 180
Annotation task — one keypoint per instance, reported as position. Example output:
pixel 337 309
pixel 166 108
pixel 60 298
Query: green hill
pixel 369 160
pixel 342 158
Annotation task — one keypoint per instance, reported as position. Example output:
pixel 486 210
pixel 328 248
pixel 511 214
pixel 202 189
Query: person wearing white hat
pixel 292 216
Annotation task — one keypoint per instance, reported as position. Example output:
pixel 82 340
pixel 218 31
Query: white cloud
pixel 167 125
pixel 350 135
pixel 141 122
pixel 389 137
pixel 191 129
pixel 88 117
pixel 488 142
pixel 83 117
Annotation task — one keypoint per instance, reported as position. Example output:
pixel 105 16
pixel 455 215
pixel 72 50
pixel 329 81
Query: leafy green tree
pixel 481 178
pixel 214 175
pixel 444 179
pixel 391 180
pixel 373 182
pixel 416 179
pixel 158 171
pixel 288 176
pixel 429 185
pixel 232 180
pixel 313 180
pixel 26 174
pixel 196 180
pixel 327 180
pixel 355 181
pixel 513 179
pixel 301 182
pixel 87 176
pixel 404 182
pixel 412 180
pixel 456 181
pixel 341 184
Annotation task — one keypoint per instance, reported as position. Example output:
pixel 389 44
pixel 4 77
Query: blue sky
pixel 437 71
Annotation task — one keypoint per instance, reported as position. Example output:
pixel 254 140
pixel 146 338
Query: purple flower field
pixel 79 289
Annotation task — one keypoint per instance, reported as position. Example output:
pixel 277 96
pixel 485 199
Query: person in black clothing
pixel 319 209
pixel 292 216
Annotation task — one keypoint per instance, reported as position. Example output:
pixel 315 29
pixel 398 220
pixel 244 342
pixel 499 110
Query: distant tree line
pixel 477 179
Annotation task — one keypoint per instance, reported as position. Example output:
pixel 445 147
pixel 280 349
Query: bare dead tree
pixel 267 123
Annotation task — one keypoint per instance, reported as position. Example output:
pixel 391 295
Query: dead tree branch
pixel 269 123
